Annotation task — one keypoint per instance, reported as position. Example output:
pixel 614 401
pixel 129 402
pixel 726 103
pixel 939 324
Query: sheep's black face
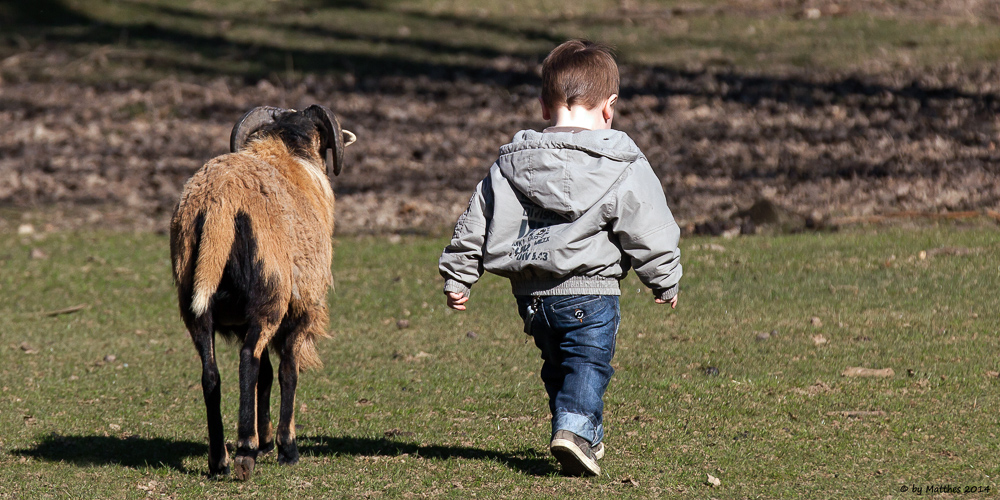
pixel 298 132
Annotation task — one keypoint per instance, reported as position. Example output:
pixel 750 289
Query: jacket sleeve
pixel 647 231
pixel 461 263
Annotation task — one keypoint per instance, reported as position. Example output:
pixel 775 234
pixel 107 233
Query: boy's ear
pixel 546 115
pixel 608 110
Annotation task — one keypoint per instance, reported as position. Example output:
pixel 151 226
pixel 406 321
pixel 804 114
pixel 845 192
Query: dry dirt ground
pixel 735 151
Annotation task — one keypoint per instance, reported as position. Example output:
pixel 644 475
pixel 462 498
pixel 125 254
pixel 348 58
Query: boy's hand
pixel 673 302
pixel 457 300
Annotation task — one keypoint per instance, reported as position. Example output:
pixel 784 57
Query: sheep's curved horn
pixel 333 149
pixel 251 122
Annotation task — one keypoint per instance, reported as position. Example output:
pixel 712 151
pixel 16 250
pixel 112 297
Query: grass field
pixel 100 391
pixel 105 402
pixel 143 40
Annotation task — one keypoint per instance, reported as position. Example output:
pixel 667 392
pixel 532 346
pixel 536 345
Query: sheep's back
pixel 293 237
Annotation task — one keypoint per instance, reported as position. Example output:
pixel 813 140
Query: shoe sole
pixel 572 459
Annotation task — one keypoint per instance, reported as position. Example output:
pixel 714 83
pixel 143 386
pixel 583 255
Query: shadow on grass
pixel 37 12
pixel 528 461
pixel 166 46
pixel 135 452
pixel 131 452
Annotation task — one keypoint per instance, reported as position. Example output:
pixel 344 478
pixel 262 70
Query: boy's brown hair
pixel 579 72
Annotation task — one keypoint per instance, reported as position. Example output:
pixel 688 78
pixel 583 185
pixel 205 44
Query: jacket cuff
pixel 456 287
pixel 667 293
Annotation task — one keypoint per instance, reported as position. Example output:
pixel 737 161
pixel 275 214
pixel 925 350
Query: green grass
pixel 142 40
pixel 429 410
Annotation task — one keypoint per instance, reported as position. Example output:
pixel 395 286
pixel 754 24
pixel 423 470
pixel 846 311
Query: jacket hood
pixel 566 172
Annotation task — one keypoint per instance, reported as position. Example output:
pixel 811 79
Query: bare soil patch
pixel 735 151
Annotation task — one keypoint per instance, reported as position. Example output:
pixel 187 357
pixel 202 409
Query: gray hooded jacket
pixel 566 213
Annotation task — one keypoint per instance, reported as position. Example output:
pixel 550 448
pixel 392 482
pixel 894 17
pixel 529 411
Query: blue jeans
pixel 576 334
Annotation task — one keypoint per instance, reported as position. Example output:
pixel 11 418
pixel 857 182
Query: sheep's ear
pixel 331 138
pixel 251 122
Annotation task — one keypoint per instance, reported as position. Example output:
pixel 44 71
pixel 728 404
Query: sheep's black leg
pixel 288 376
pixel 265 432
pixel 204 340
pixel 247 441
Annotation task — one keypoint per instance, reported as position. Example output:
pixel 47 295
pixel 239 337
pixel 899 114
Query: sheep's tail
pixel 216 242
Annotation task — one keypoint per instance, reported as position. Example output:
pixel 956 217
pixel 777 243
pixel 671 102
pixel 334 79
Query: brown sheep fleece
pixel 250 243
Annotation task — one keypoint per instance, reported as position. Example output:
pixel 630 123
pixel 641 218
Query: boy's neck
pixel 579 117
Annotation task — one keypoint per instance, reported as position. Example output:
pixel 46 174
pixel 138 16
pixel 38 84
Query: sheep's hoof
pixel 288 455
pixel 218 472
pixel 243 467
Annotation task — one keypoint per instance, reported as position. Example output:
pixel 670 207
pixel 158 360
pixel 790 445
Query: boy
pixel 564 214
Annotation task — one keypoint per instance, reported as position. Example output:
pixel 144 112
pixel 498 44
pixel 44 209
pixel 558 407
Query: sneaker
pixel 574 454
pixel 599 450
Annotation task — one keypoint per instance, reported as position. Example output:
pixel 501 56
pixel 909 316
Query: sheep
pixel 250 244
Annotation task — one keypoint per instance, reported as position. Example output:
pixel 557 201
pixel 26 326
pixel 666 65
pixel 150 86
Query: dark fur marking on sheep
pixel 296 130
pixel 244 289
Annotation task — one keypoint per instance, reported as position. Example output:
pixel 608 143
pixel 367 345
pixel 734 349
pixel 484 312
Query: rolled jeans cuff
pixel 578 424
